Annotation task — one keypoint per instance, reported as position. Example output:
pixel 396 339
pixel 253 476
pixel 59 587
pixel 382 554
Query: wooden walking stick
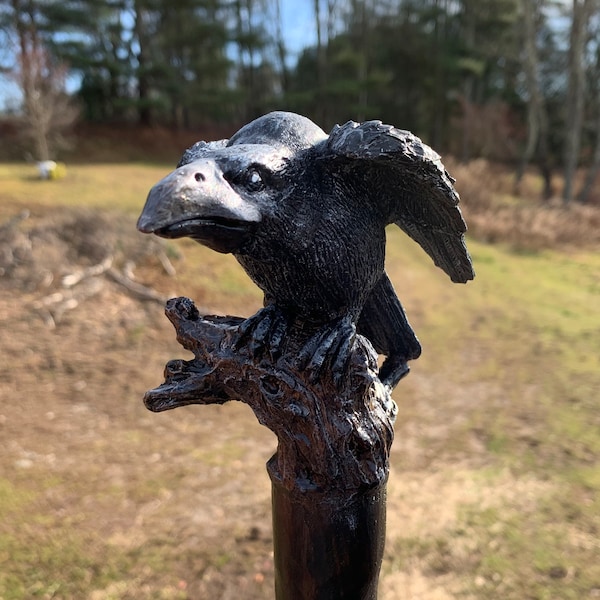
pixel 305 214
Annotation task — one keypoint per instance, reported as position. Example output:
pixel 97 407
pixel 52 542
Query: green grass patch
pixel 106 186
pixel 58 564
pixel 13 498
pixel 527 555
pixel 528 326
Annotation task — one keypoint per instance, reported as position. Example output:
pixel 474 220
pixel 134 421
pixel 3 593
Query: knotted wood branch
pixel 331 432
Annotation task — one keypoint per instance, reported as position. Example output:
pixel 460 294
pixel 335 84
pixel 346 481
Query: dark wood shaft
pixel 327 547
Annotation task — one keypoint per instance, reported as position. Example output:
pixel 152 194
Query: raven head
pixel 221 190
pixel 215 198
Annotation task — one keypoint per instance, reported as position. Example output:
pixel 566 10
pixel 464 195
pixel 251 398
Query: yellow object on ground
pixel 50 169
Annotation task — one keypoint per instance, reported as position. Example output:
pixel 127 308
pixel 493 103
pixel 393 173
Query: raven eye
pixel 254 180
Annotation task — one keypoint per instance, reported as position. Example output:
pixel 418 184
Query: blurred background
pixel 494 489
pixel 506 80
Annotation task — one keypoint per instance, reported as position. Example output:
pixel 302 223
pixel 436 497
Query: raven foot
pixel 263 332
pixel 332 344
pixel 393 369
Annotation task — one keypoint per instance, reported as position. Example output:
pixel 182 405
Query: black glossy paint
pixel 327 546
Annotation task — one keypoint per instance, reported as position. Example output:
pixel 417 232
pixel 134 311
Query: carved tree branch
pixel 330 433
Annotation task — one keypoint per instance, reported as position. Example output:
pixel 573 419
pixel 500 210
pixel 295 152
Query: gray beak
pixel 196 201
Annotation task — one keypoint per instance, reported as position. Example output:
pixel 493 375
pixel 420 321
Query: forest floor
pixel 494 488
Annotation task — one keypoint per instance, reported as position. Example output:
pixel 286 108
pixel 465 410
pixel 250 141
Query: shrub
pixel 494 214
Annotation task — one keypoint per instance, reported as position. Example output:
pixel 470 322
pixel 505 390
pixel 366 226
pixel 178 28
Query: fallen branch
pixel 73 279
pixel 137 289
pixel 53 306
pixel 166 263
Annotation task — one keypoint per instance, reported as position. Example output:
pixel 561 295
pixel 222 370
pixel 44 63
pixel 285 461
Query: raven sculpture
pixel 305 213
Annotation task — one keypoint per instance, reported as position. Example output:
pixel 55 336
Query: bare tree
pixel 575 96
pixel 143 79
pixel 470 73
pixel 537 118
pixel 281 49
pixel 362 11
pixel 592 172
pixel 326 15
pixel 594 168
pixel 321 62
pixel 47 110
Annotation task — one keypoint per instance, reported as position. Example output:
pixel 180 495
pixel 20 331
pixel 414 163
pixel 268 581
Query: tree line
pixel 508 80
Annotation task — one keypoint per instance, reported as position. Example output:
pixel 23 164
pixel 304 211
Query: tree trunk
pixel 594 168
pixel 321 109
pixel 534 104
pixel 575 103
pixel 465 154
pixel 592 172
pixel 468 85
pixel 281 50
pixel 361 12
pixel 143 83
pixel 440 73
pixel 327 546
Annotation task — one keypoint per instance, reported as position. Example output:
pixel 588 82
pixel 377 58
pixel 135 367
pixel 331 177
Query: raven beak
pixel 196 201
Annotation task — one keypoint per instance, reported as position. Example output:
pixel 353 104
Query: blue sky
pixel 297 24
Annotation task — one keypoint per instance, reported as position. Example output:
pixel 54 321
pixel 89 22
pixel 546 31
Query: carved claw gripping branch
pixel 305 214
pixel 317 423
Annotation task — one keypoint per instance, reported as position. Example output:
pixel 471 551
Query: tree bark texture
pixel 537 118
pixel 327 546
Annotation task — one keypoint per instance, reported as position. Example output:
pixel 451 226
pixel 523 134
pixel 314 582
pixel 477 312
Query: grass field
pixel 495 483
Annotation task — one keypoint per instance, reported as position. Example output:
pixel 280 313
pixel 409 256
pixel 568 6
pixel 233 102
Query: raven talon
pixel 262 332
pixel 393 370
pixel 332 344
pixel 342 358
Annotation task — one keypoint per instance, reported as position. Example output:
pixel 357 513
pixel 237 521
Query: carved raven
pixel 305 214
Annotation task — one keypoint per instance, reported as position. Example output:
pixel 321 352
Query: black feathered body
pixel 318 253
pixel 305 214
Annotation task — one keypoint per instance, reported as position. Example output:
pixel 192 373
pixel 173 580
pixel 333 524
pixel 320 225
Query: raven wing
pixel 410 185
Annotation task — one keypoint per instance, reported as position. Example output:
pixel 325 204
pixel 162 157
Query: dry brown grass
pixel 495 215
